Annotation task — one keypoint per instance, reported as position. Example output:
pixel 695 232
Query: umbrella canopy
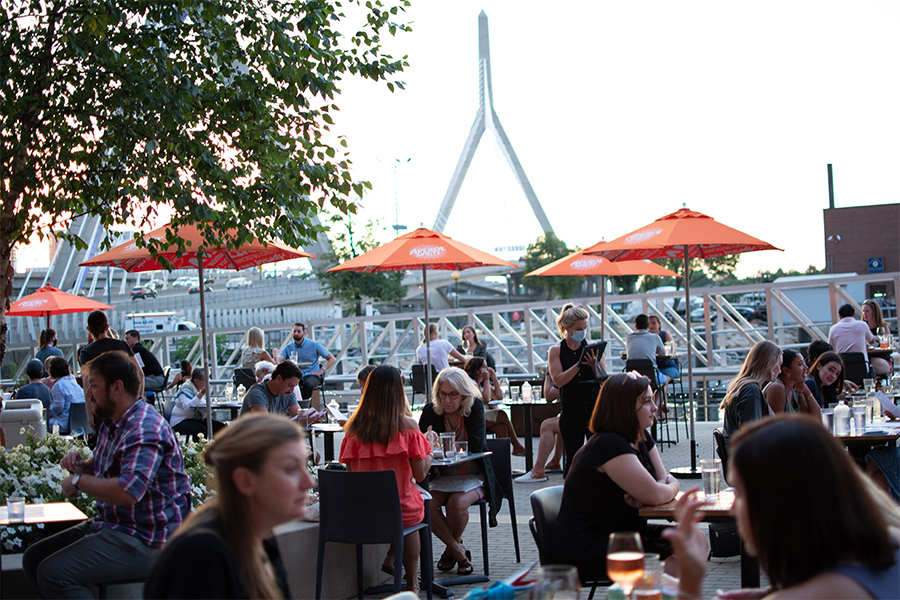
pixel 422 249
pixel 133 259
pixel 49 300
pixel 683 234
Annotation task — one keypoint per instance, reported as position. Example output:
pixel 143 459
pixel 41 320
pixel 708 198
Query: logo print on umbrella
pixel 427 252
pixel 642 236
pixel 32 303
pixel 584 264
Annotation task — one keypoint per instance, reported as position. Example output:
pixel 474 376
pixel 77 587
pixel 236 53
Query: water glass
pixel 558 582
pixel 295 356
pixel 447 439
pixel 649 586
pixel 462 449
pixel 859 418
pixel 868 384
pixel 711 477
pixel 828 419
pixel 15 509
pixel 536 393
pixel 351 408
pixel 514 394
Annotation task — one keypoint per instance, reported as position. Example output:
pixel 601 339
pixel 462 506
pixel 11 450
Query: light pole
pixel 455 276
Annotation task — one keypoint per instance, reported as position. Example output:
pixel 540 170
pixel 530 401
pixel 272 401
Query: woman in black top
pixel 225 549
pixel 574 371
pixel 826 378
pixel 618 470
pixel 744 400
pixel 471 346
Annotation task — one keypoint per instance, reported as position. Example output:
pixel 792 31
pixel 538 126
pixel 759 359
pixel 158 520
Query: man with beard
pixel 307 358
pixel 136 476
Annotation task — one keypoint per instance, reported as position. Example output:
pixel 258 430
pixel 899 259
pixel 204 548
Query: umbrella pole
pixel 690 356
pixel 428 381
pixel 203 345
pixel 602 306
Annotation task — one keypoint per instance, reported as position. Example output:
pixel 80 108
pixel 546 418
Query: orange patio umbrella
pixel 49 300
pixel 683 234
pixel 579 264
pixel 135 259
pixel 422 249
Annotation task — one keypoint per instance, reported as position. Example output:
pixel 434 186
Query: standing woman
pixel 382 435
pixel 225 549
pixel 789 393
pixel 744 400
pixel 574 371
pixel 618 470
pixel 486 380
pixel 871 314
pixel 826 378
pixel 457 407
pixel 472 347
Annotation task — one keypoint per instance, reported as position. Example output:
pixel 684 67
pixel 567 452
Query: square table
pixel 717 511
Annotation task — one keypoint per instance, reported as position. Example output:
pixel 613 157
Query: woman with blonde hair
pixel 255 350
pixel 382 435
pixel 575 372
pixel 440 350
pixel 871 314
pixel 458 408
pixel 744 401
pixel 225 548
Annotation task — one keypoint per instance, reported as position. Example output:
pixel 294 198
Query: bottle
pixel 55 429
pixel 871 404
pixel 504 387
pixel 333 406
pixel 841 419
pixel 241 391
pixel 895 382
pixel 229 392
pixel 526 392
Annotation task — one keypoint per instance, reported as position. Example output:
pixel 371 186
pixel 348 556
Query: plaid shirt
pixel 139 449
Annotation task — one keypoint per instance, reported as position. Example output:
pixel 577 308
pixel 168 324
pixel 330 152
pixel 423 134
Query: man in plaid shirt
pixel 137 477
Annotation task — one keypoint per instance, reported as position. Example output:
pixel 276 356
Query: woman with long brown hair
pixel 744 400
pixel 225 548
pixel 495 421
pixel 382 435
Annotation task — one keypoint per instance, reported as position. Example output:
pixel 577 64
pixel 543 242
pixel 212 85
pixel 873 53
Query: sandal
pixel 465 565
pixel 446 562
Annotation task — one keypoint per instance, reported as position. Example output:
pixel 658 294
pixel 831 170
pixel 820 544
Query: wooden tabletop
pixel 51 512
pixel 875 438
pixel 719 507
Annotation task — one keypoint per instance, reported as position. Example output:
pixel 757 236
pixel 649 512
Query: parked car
pixel 195 288
pixel 238 282
pixel 143 291
pixel 748 312
pixel 182 282
pixel 157 284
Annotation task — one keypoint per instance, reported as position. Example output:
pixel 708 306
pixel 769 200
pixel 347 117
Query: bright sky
pixel 620 112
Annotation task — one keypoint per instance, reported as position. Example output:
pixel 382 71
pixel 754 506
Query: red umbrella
pixel 49 300
pixel 134 259
pixel 682 234
pixel 422 249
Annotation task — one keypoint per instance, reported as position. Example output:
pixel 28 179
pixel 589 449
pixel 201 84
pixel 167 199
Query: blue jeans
pixel 67 564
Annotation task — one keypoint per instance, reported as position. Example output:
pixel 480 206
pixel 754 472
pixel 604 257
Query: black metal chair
pixel 152 392
pixel 78 420
pixel 855 367
pixel 721 450
pixel 419 382
pixel 501 451
pixel 545 504
pixel 244 376
pixel 348 501
pixel 647 368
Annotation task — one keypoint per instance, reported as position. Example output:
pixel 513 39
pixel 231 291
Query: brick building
pixel 858 238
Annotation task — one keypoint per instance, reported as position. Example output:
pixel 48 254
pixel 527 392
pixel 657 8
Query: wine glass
pixel 625 559
pixel 884 336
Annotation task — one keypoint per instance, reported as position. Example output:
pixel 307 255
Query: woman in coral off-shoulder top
pixel 382 435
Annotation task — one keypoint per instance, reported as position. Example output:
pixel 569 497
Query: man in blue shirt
pixel 307 358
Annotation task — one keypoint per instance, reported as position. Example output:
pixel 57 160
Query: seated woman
pixel 440 350
pixel 382 435
pixel 256 349
pixel 744 401
pixel 618 470
pixel 188 413
pixel 182 376
pixel 840 545
pixel 826 380
pixel 457 407
pixel 486 380
pixel 871 314
pixel 225 548
pixel 550 440
pixel 471 346
pixel 65 395
pixel 788 393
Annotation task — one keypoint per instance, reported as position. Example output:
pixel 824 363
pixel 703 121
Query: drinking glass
pixel 649 586
pixel 447 439
pixel 15 509
pixel 884 336
pixel 709 470
pixel 514 394
pixel 625 559
pixel 462 449
pixel 557 582
pixel 536 393
pixel 295 356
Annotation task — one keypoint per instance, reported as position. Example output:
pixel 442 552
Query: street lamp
pixel 455 276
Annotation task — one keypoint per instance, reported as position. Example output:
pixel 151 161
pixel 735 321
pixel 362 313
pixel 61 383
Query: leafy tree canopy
pixel 352 287
pixel 544 251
